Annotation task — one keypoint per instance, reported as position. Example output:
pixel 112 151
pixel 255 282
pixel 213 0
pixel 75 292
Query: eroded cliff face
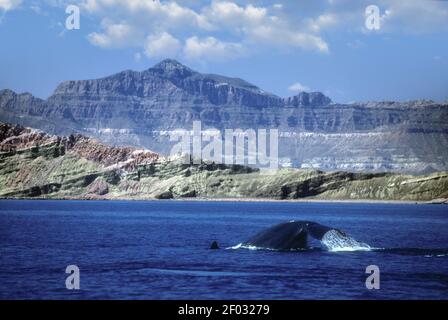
pixel 34 164
pixel 139 108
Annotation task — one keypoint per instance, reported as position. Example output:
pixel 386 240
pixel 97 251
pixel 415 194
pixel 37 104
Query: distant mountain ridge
pixel 138 108
pixel 170 75
pixel 35 164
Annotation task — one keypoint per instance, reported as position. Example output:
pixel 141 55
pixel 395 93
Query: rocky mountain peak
pixel 169 64
pixel 308 99
pixel 172 68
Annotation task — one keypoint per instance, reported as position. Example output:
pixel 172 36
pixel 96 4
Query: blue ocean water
pixel 160 250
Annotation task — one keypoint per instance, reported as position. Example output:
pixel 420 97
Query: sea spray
pixel 335 240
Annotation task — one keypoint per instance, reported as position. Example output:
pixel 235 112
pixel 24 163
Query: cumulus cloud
pixel 258 26
pixel 115 35
pixel 6 5
pixel 272 36
pixel 218 29
pixel 162 45
pixel 231 15
pixel 165 26
pixel 169 15
pixel 323 21
pixel 211 48
pixel 298 87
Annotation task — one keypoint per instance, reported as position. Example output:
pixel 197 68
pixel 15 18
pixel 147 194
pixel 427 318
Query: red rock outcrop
pixel 14 138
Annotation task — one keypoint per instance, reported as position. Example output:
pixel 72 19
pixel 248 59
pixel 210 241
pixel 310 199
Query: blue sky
pixel 281 46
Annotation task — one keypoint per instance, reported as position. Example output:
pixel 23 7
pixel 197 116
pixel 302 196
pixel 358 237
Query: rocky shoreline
pixel 252 200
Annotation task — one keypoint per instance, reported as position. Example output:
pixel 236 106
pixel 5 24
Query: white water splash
pixel 435 255
pixel 249 247
pixel 335 240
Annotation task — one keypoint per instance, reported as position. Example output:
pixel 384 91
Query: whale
pixel 295 235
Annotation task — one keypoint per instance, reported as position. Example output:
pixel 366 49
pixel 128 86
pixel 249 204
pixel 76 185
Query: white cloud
pixel 228 29
pixel 414 16
pixel 257 27
pixel 161 45
pixel 115 35
pixel 247 28
pixel 7 5
pixel 231 15
pixel 298 87
pixel 153 12
pixel 211 48
pixel 323 21
pixel 272 36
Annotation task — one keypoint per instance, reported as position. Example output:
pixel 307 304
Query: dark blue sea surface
pixel 160 250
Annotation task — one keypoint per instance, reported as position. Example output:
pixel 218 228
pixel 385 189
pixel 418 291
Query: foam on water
pixel 435 256
pixel 250 247
pixel 335 241
pixel 242 246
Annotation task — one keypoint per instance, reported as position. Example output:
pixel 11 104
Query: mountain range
pixel 140 108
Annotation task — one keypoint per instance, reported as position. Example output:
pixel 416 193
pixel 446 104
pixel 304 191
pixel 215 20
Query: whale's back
pixel 284 236
pixel 293 235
